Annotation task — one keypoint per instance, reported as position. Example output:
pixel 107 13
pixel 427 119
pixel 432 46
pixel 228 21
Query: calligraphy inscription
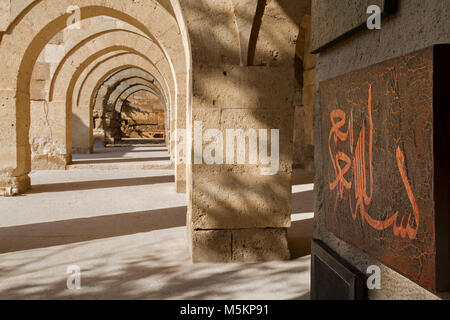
pixel 361 180
pixel 377 162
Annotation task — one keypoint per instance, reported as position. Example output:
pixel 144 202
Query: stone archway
pixel 142 114
pixel 73 66
pixel 31 32
pixel 112 119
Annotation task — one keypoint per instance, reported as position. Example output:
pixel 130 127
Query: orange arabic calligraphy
pixel 363 200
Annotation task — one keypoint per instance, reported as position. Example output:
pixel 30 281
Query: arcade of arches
pixel 87 83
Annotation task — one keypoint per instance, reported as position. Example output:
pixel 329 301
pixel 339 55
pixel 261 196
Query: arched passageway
pixel 249 117
pixel 45 25
pixel 118 59
pixel 234 84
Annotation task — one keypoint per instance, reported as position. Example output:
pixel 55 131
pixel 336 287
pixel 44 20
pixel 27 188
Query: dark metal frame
pixel 350 276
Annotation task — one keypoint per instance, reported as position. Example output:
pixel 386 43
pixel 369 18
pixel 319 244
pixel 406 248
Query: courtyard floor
pixel 116 216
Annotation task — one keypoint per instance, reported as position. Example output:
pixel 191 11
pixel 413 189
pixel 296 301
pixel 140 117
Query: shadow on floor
pixel 302 176
pixel 100 184
pixel 299 238
pixel 102 152
pixel 306 296
pixel 138 279
pixel 131 150
pixel 119 160
pixel 47 234
pixel 303 202
pixel 301 232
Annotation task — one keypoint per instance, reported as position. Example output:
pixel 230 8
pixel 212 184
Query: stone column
pixel 180 144
pixel 236 211
pixel 15 151
pixel 48 123
pixel 82 123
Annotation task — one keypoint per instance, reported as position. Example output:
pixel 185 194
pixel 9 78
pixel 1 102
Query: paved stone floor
pixel 126 231
pixel 123 158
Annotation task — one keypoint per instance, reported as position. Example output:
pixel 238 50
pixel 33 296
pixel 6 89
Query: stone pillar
pixel 242 79
pixel 237 212
pixel 48 123
pixel 99 119
pixel 172 143
pixel 82 139
pixel 112 135
pixel 98 132
pixel 304 104
pixel 49 130
pixel 180 144
pixel 15 150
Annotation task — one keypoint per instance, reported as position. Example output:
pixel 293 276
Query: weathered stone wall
pixel 417 25
pixel 304 102
pixel 142 116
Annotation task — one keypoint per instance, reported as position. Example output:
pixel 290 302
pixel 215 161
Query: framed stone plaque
pixel 384 134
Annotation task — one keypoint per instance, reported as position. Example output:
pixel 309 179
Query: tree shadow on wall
pixel 265 88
